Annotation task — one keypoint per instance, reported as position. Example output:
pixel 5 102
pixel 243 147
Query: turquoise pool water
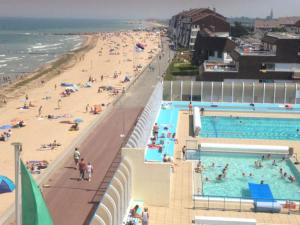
pixel 250 128
pixel 167 122
pixel 236 185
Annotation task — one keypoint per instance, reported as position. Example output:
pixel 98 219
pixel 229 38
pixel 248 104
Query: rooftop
pixel 284 35
pixel 276 23
pixel 216 66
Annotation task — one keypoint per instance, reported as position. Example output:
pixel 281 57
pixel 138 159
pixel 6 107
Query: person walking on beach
pixel 82 169
pixel 26 97
pixel 145 216
pixel 58 103
pixel 87 108
pixel 102 77
pixel 183 152
pixel 89 171
pixel 76 157
pixel 40 111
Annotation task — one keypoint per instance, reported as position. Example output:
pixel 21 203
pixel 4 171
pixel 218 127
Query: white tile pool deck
pixel 180 210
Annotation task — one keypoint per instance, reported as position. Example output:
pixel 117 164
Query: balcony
pixel 215 66
pixel 253 52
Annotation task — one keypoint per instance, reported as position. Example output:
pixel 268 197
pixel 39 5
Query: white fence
pixel 141 132
pixel 237 92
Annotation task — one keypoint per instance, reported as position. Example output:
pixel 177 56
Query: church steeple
pixel 271 14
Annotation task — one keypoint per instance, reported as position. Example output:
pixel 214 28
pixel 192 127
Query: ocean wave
pixel 77 46
pixel 75 38
pixel 40 46
pixel 2 55
pixel 10 59
pixel 3 65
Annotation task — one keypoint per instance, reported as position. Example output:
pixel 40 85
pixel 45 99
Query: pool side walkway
pixel 180 210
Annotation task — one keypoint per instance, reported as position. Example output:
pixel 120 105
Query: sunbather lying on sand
pixel 74 127
pixel 51 145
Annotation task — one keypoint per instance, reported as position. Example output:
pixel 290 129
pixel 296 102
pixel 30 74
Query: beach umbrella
pixel 78 120
pixel 6 185
pixel 4 127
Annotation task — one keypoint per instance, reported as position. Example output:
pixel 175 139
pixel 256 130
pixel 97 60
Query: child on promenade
pixel 89 170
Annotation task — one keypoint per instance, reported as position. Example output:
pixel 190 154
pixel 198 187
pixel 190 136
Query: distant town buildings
pixel 184 26
pixel 286 23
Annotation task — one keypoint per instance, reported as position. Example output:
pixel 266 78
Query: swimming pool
pixel 168 116
pixel 250 128
pixel 167 122
pixel 236 185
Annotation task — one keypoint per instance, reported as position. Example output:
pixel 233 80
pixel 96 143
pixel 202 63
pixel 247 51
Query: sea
pixel 28 43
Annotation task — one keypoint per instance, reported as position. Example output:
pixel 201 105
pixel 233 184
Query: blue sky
pixel 133 9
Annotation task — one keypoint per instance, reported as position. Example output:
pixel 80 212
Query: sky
pixel 142 9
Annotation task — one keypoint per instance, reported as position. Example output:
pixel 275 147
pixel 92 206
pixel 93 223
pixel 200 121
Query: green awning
pixel 34 209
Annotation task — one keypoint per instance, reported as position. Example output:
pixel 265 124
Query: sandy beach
pixel 99 75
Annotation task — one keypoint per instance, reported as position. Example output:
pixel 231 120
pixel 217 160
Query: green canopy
pixel 34 209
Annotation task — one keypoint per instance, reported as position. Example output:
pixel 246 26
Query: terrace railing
pixel 225 203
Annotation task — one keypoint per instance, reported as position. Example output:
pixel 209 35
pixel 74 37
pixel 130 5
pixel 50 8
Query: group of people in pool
pixel 258 164
pixel 159 146
pixel 199 168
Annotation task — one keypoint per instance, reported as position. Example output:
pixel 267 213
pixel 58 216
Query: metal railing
pixel 244 204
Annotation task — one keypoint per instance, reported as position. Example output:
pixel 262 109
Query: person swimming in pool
pixel 261 182
pixel 219 177
pixel 274 163
pixel 281 171
pixel 250 175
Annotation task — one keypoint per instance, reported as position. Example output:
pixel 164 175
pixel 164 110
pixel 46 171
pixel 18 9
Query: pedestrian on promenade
pixel 89 170
pixel 145 216
pixel 76 157
pixel 82 169
pixel 87 108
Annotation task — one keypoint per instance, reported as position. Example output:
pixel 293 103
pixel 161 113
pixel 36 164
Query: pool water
pixel 167 122
pixel 236 185
pixel 250 128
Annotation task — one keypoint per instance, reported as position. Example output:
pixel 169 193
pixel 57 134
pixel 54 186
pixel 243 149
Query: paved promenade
pixel 71 201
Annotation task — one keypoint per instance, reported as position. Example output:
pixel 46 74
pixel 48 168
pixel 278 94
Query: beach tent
pixel 66 84
pixel 34 209
pixel 6 185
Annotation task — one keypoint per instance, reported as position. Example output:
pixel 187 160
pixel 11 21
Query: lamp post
pixel 18 150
